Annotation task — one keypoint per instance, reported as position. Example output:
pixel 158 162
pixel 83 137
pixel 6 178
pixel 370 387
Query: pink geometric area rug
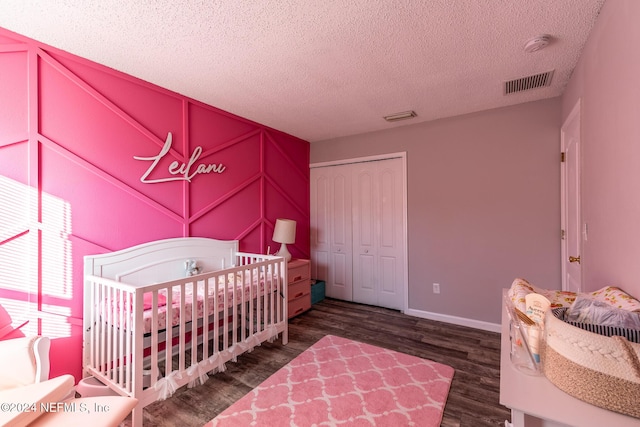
pixel 340 382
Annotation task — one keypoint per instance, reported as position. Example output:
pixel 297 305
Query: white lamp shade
pixel 285 231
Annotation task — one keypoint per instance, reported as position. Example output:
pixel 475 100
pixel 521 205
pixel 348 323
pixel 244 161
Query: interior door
pixel 378 233
pixel 572 236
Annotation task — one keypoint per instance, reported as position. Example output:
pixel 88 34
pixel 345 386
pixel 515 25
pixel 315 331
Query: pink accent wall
pixel 606 83
pixel 70 186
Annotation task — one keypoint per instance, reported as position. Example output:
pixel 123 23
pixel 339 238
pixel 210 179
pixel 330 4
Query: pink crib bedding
pixel 240 288
pixel 236 293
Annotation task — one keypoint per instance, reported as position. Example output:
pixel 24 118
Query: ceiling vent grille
pixel 529 82
pixel 401 116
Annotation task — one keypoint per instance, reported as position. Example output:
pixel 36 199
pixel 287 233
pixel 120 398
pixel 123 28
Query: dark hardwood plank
pixel 474 354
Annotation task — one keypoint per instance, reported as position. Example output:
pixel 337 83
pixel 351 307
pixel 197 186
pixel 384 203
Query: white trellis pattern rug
pixel 340 382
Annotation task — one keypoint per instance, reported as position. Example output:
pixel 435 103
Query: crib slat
pixel 195 322
pixel 153 355
pixel 168 349
pixel 128 385
pixel 225 314
pixel 205 326
pixel 120 353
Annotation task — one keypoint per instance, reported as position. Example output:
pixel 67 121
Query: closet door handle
pixel 574 259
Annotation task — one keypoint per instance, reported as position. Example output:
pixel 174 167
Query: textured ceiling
pixel 320 69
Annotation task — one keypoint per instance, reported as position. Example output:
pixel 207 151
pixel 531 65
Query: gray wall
pixel 483 204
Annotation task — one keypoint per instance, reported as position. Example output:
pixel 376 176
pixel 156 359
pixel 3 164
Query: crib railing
pixel 146 341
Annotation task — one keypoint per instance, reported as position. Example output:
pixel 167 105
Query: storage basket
pixel 600 370
pixel 317 291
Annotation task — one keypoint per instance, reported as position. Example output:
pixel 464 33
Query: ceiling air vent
pixel 401 116
pixel 529 82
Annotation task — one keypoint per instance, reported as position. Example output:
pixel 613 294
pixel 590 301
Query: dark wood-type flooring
pixel 474 354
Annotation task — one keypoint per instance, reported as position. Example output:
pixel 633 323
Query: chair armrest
pixel 41 349
pixel 23 361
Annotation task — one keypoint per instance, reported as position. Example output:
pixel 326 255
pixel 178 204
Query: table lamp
pixel 284 232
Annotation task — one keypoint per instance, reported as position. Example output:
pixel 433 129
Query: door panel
pixel 391 247
pixel 319 223
pixel 340 277
pixel 331 230
pixel 341 241
pixel 365 234
pixel 389 276
pixel 364 277
pixel 388 208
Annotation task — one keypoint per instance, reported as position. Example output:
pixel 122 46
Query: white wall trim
pixel 401 154
pixel 471 323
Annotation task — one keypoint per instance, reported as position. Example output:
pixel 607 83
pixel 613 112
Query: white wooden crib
pixel 164 314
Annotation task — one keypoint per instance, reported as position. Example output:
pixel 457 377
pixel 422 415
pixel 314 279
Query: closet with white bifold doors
pixel 358 230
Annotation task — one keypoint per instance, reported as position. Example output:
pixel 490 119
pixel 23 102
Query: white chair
pixel 24 380
pixel 24 361
pixel 24 372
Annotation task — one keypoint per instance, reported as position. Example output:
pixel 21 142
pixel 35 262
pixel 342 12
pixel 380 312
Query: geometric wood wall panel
pixel 215 128
pixel 156 111
pixel 215 188
pixel 13 86
pixel 69 132
pixel 100 209
pixel 232 218
pixel 14 163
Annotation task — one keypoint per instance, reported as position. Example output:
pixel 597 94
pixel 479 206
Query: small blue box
pixel 317 291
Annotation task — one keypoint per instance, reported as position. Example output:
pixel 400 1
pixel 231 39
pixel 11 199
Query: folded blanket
pixel 611 295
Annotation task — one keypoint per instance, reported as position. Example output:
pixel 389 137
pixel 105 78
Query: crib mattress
pixel 230 290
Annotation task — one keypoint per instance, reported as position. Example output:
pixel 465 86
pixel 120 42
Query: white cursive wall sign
pixel 181 171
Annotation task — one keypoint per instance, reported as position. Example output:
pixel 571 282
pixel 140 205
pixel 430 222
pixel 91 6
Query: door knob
pixel 574 259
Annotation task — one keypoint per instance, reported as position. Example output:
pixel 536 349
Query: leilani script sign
pixel 179 171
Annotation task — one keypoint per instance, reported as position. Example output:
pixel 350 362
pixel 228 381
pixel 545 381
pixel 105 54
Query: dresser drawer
pixel 299 270
pixel 299 286
pixel 299 305
pixel 299 289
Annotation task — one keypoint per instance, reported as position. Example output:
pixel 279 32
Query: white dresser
pixel 535 402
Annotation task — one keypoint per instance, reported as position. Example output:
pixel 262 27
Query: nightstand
pixel 299 291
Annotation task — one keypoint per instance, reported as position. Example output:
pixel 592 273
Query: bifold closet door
pixel 331 237
pixel 378 234
pixel 357 231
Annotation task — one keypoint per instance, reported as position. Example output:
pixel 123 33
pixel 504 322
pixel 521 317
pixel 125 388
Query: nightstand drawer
pixel 299 305
pixel 299 270
pixel 299 289
pixel 299 286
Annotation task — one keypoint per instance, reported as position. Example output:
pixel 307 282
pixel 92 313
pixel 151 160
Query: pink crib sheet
pixel 243 293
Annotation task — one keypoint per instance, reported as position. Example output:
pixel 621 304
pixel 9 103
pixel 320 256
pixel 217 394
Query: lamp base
pixel 284 252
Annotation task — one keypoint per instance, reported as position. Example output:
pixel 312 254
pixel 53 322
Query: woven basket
pixel 600 370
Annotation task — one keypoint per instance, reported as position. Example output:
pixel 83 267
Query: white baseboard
pixel 462 321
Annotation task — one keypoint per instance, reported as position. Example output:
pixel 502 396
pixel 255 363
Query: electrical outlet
pixel 436 288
